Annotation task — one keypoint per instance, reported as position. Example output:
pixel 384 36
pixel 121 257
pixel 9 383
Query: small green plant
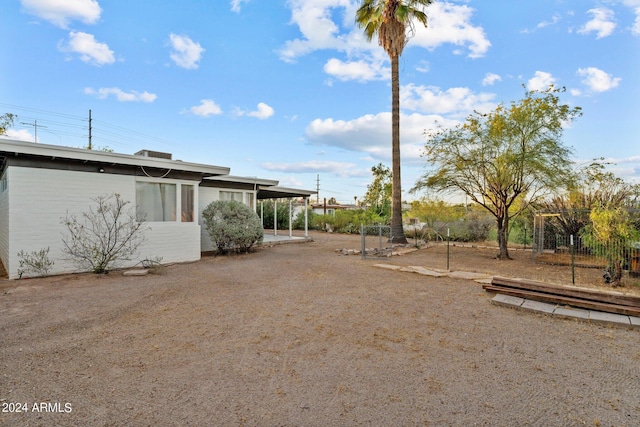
pixel 36 263
pixel 232 226
pixel 154 265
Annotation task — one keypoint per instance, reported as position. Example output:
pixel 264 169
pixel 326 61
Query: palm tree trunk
pixel 397 231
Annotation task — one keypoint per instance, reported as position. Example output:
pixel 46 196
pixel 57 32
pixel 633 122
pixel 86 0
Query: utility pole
pixel 318 189
pixel 89 147
pixel 35 129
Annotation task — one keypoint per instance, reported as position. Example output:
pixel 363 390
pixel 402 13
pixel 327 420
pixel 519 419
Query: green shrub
pixel 266 210
pixel 232 226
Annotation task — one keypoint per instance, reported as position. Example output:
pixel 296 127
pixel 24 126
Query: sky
pixel 292 90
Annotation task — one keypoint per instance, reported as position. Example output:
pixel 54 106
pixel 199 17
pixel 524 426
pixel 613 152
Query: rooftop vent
pixel 156 154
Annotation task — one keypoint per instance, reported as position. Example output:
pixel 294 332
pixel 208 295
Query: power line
pixel 68 124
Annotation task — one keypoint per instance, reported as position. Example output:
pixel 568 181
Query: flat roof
pixel 9 146
pixel 242 179
pixel 275 192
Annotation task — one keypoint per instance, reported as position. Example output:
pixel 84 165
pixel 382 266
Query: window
pixel 156 201
pixel 231 195
pixel 187 198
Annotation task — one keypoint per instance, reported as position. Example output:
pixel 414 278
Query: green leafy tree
pixel 610 235
pixel 390 20
pixel 503 160
pixel 6 121
pixel 379 192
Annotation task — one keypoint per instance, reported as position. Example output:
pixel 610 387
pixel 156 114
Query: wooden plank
pixel 587 294
pixel 567 300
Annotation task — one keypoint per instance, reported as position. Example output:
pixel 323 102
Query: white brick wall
pixel 37 199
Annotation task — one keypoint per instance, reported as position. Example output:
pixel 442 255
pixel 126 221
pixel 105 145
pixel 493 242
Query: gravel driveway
pixel 296 335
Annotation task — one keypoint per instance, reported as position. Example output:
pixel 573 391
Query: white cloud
pixel 423 66
pixel 19 135
pixel 598 80
pixel 264 111
pixel 541 81
pixel 603 22
pixel 61 13
pixel 371 134
pixel 120 95
pixel 323 28
pixel 236 5
pixel 457 101
pixel 206 108
pixel 490 79
pixel 185 52
pixel 342 169
pixel 90 50
pixel 451 23
pixel 356 70
pixel 554 20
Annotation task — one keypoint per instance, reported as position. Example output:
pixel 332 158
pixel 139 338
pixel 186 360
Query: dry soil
pixel 297 335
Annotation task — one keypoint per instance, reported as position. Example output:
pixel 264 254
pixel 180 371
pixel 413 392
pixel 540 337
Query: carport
pixel 277 193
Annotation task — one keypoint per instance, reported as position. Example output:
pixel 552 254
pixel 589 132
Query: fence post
pixel 362 242
pixel 573 264
pixel 447 249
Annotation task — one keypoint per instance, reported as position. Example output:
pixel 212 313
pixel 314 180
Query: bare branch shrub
pixel 105 236
pixel 36 262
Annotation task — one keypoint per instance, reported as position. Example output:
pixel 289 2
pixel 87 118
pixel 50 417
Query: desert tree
pixel 592 186
pixel 6 121
pixel 390 20
pixel 503 160
pixel 104 236
pixel 610 235
pixel 378 195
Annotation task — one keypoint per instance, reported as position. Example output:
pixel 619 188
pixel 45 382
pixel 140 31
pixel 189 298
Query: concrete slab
pixel 538 306
pixel 606 318
pixel 635 321
pixel 428 272
pixel 486 280
pixel 571 313
pixel 468 275
pixel 388 266
pixel 136 272
pixel 507 300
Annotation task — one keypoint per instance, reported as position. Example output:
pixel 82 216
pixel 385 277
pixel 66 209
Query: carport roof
pixel 275 192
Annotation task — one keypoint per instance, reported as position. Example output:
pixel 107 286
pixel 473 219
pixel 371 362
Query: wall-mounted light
pixel 101 170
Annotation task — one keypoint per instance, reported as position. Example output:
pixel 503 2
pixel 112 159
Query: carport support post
pixel 275 217
pixel 290 222
pixel 306 217
pixel 262 213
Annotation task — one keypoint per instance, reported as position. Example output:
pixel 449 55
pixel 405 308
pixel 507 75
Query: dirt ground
pixel 297 335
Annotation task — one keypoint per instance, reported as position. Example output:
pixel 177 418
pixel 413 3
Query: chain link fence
pixel 376 241
pixel 552 244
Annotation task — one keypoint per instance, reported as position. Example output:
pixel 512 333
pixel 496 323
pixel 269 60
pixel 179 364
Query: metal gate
pixel 376 241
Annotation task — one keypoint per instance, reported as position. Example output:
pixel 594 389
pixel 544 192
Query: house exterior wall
pixel 37 199
pixel 4 219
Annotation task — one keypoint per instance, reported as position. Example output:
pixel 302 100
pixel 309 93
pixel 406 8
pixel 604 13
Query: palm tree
pixel 390 19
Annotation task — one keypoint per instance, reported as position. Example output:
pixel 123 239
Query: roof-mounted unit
pixel 156 154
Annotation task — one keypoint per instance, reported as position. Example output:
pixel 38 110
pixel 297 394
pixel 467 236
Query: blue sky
pixel 290 90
